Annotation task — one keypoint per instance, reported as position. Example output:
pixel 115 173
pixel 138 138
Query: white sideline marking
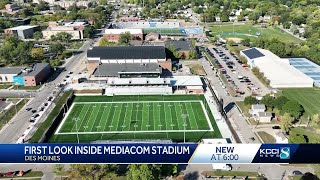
pixel 126 132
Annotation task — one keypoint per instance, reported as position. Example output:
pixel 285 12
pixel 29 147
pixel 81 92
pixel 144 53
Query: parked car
pixel 33 111
pixel 276 127
pixel 9 174
pixel 28 109
pixel 297 173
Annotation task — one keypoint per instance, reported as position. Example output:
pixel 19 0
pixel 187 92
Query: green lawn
pixel 267 138
pixel 34 174
pixel 249 31
pixel 5 86
pixel 137 117
pixel 313 136
pixel 309 98
pixel 27 87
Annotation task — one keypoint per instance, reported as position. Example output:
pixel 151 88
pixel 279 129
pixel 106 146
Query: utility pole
pixel 184 116
pixel 76 120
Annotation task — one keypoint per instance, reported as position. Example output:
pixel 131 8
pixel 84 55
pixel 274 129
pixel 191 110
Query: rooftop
pixel 22 27
pixel 307 67
pixel 116 69
pixel 36 69
pixel 75 23
pixel 138 81
pixel 279 71
pixel 265 114
pixel 180 45
pixel 127 52
pixel 121 31
pixel 258 106
pixel 11 70
pixel 186 81
pixel 253 53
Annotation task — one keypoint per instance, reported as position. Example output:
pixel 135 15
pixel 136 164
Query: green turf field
pixel 163 31
pixel 249 31
pixel 137 117
pixel 309 98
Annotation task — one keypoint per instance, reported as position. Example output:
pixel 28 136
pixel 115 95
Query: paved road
pixel 16 93
pixel 272 172
pixel 15 128
pixel 237 121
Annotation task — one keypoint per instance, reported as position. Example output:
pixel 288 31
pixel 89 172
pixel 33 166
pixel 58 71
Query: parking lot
pixel 238 76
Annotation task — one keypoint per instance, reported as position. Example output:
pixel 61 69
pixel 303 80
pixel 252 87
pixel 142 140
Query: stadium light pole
pixel 76 119
pixel 184 116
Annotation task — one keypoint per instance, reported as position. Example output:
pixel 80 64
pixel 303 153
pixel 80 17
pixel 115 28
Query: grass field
pixel 249 31
pixel 137 117
pixel 309 98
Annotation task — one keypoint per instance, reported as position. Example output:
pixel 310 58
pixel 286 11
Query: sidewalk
pixel 221 123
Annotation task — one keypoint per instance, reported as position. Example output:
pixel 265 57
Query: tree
pixel 268 101
pixel 293 108
pixel 58 170
pixel 246 42
pixel 64 37
pixel 37 35
pixel 140 172
pixel 286 122
pixel 224 17
pixel 56 48
pixel 192 54
pixel 125 38
pixel 280 101
pixel 169 169
pixel 315 119
pixel 92 171
pixel 249 100
pixel 286 25
pixel 37 53
pixel 105 42
pixel 88 32
pixel 297 138
pixel 309 176
pixel 230 42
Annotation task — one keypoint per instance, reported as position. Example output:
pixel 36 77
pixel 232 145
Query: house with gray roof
pixel 257 108
pixel 7 73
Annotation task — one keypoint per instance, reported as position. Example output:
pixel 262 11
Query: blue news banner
pixel 159 153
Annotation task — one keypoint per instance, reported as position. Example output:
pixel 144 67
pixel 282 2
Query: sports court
pixel 135 117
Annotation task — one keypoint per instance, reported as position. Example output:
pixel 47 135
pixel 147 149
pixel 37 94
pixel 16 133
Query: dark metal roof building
pixel 127 52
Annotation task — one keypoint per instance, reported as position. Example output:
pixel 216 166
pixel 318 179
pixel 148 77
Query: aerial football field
pixel 137 117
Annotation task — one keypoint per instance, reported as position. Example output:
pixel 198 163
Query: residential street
pixel 15 128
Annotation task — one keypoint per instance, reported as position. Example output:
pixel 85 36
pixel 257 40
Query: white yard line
pixel 125 116
pixel 194 115
pixel 111 119
pixel 206 114
pixel 88 120
pixel 104 110
pixel 119 132
pixel 119 116
pixel 133 102
pixel 95 117
pixel 178 119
